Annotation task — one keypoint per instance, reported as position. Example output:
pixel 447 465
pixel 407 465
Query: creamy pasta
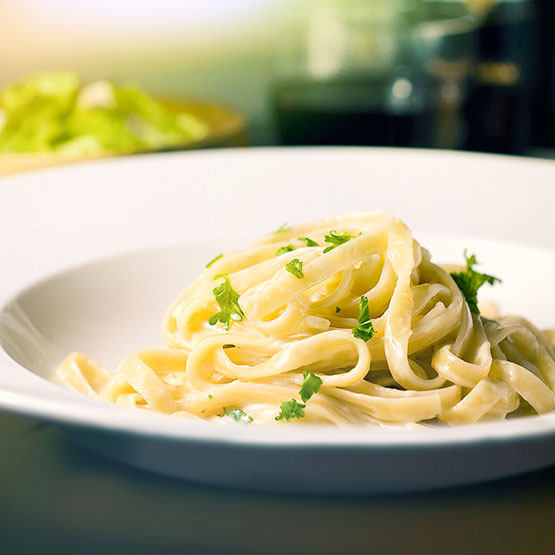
pixel 353 308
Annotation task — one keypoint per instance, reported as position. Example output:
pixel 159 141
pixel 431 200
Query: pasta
pixel 351 308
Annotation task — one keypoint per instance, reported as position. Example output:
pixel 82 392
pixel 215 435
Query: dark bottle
pixel 498 112
pixel 543 97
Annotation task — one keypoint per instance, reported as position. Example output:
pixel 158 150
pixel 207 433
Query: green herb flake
pixel 290 409
pixel 336 238
pixel 295 267
pixel 365 329
pixel 237 415
pixel 283 227
pixel 228 299
pixel 283 250
pixel 470 281
pixel 210 396
pixel 214 260
pixel 310 386
pixel 309 242
pixel 337 309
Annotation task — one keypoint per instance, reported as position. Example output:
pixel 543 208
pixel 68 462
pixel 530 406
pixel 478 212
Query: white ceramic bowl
pixel 181 210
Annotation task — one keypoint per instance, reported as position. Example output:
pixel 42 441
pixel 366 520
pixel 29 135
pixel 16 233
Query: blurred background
pixel 461 74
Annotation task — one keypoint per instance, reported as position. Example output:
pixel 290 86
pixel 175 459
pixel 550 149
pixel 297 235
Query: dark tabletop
pixel 56 497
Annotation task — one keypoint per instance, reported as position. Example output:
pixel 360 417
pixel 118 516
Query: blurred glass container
pixel 376 73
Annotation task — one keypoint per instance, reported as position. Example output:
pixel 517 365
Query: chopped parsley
pixel 290 409
pixel 283 250
pixel 309 242
pixel 470 281
pixel 336 238
pixel 337 309
pixel 294 409
pixel 214 260
pixel 365 329
pixel 288 248
pixel 228 299
pixel 310 386
pixel 295 267
pixel 210 396
pixel 237 415
pixel 283 227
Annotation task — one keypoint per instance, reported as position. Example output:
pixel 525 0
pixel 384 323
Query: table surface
pixel 56 497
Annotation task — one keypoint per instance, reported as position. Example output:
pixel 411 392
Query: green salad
pixel 55 112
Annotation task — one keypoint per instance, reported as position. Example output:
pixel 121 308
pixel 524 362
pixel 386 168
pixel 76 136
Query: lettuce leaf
pixel 51 111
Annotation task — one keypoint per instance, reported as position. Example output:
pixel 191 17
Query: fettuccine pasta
pixel 352 307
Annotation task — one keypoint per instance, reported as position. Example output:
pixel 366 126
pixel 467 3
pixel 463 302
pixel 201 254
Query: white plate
pixel 202 203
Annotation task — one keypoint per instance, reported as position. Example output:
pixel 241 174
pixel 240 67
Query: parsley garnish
pixel 294 409
pixel 336 238
pixel 310 386
pixel 228 299
pixel 283 250
pixel 295 267
pixel 281 228
pixel 365 329
pixel 470 281
pixel 309 242
pixel 210 396
pixel 288 248
pixel 238 415
pixel 214 260
pixel 337 309
pixel 290 409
